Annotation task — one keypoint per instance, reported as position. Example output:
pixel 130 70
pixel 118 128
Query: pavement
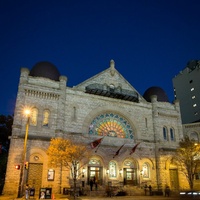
pixel 67 197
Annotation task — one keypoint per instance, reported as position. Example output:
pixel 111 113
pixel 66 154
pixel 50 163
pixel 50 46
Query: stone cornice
pixel 41 95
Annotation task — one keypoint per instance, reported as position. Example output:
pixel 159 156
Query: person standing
pixel 167 191
pixel 145 189
pixel 91 184
pixel 96 184
pixel 27 192
pixel 150 190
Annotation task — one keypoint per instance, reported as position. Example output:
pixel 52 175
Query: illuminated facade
pixel 106 105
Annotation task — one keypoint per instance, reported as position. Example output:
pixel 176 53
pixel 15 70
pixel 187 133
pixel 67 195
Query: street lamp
pixel 27 113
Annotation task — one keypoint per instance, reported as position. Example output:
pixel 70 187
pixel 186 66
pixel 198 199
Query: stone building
pixel 104 105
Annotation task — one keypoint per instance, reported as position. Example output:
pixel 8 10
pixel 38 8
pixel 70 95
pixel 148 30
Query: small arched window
pixel 145 170
pixel 194 136
pixel 172 135
pixel 46 115
pixel 112 169
pixel 34 117
pixel 165 134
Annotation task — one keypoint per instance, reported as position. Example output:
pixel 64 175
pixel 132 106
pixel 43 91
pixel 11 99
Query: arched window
pixel 194 136
pixel 172 135
pixel 165 134
pixel 112 125
pixel 145 170
pixel 46 115
pixel 34 117
pixel 112 169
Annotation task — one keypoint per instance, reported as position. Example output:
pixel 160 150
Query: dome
pixel 45 69
pixel 159 92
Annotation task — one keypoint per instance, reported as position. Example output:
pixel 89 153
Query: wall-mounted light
pixel 83 172
pixel 141 172
pixel 107 171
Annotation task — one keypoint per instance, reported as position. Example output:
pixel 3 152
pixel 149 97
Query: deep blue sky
pixel 149 40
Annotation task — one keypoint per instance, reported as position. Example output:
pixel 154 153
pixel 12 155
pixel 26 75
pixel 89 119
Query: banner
pixel 134 148
pixel 95 143
pixel 117 152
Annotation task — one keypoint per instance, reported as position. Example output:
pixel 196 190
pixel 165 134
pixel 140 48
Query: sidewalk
pixel 67 197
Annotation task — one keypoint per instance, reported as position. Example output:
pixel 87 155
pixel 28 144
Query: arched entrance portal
pixel 95 171
pixel 130 173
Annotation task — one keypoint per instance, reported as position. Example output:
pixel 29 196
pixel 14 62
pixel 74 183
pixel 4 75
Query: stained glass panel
pixel 110 124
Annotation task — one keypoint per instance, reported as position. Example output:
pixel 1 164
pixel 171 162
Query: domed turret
pixel 159 92
pixel 45 69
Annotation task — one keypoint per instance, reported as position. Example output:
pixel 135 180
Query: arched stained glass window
pixel 112 125
pixel 94 162
pixel 129 163
pixel 112 169
pixel 145 170
pixel 34 117
pixel 46 114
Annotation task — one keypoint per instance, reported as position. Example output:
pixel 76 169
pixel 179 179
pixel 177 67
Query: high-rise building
pixel 187 90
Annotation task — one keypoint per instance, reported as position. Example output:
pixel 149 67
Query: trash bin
pixel 32 192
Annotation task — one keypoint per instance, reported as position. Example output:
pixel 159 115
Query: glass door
pixel 95 173
pixel 130 176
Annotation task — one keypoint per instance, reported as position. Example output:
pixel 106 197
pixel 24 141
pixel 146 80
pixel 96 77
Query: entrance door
pixel 174 179
pixel 35 176
pixel 130 176
pixel 95 172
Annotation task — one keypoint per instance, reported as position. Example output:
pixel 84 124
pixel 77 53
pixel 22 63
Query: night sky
pixel 150 41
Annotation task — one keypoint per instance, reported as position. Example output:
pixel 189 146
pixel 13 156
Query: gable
pixel 110 83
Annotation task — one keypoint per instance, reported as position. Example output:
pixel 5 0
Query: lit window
pixel 165 136
pixel 34 117
pixel 112 125
pixel 172 134
pixel 194 105
pixel 112 169
pixel 193 97
pixel 145 170
pixel 192 89
pixel 46 114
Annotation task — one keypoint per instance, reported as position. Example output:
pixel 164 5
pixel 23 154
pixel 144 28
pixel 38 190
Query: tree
pixel 187 157
pixel 5 131
pixel 66 153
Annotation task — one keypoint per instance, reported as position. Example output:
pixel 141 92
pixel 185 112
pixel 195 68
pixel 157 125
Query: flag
pixel 134 148
pixel 117 152
pixel 95 143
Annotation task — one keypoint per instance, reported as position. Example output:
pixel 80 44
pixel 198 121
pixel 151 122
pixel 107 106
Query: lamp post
pixel 22 173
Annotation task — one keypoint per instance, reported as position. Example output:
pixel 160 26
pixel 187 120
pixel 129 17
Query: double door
pixel 130 176
pixel 95 173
